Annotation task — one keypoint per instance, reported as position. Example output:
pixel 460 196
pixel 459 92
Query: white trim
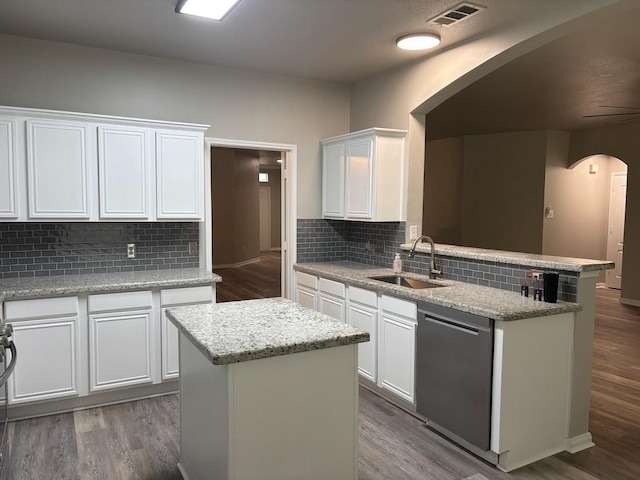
pixel 268 239
pixel 289 205
pixel 275 249
pixel 629 301
pixel 579 443
pixel 239 264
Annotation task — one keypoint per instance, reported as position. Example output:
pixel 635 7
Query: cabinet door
pixel 119 349
pixel 170 357
pixel 332 306
pixel 47 366
pixel 306 297
pixel 333 180
pixel 123 162
pixel 180 175
pixel 58 158
pixel 359 191
pixel 8 184
pixel 396 356
pixel 365 318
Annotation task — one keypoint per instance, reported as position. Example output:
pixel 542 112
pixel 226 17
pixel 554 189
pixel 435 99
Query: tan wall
pixel 504 191
pixel 235 203
pixel 443 187
pixel 622 142
pixel 276 224
pixel 238 104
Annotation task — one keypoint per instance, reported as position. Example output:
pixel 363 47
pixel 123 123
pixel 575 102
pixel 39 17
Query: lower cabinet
pixel 46 332
pixel 307 290
pixel 332 299
pixel 119 340
pixel 362 312
pixel 397 347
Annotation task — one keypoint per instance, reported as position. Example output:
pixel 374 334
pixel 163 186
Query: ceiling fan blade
pixel 609 114
pixel 625 120
pixel 617 106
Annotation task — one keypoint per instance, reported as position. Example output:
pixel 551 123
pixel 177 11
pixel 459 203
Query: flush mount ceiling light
pixel 214 9
pixel 418 41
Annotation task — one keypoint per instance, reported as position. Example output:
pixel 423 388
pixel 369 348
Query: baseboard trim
pixel 274 249
pixel 580 442
pixel 629 301
pixel 239 264
pixel 505 465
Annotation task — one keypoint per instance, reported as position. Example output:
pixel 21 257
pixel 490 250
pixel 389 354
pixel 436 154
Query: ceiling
pixel 335 40
pixel 553 87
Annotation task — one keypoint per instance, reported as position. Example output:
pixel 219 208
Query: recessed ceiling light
pixel 418 41
pixel 214 9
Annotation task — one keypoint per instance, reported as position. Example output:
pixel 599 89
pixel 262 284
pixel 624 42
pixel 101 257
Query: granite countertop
pixel 566 264
pixel 234 332
pixel 488 302
pixel 60 285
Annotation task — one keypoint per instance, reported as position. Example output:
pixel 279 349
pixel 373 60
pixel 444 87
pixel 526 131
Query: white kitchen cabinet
pixel 369 168
pixel 333 172
pixel 8 168
pixel 60 159
pixel 47 337
pixel 180 174
pixel 125 156
pixel 120 340
pixel 307 290
pixel 332 299
pixel 396 346
pixel 172 298
pixel 362 312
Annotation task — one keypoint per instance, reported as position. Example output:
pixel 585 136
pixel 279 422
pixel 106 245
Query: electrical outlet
pixel 193 248
pixel 131 250
pixel 413 232
pixel 535 275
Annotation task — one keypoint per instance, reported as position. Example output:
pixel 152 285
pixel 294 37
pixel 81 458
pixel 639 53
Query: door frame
pixel 268 190
pixel 288 209
pixel 610 214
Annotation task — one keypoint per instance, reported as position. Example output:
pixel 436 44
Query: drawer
pixel 364 297
pixel 41 308
pixel 120 301
pixel 306 280
pixel 403 308
pixel 178 296
pixel 336 289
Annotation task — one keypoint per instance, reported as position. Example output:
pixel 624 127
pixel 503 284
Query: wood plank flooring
pixel 140 440
pixel 256 280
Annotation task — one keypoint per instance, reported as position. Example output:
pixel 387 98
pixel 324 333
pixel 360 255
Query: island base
pixel 284 417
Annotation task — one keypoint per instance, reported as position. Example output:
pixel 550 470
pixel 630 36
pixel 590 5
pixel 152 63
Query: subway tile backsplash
pixel 47 249
pixel 334 240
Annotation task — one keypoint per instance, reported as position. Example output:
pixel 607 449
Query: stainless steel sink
pixel 406 282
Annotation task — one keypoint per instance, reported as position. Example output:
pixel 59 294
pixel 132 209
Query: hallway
pixel 255 280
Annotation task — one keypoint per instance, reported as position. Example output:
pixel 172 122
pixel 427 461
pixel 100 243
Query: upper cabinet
pixel 57 166
pixel 364 176
pixel 180 174
pixel 8 168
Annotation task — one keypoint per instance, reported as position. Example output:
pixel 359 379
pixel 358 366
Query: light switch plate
pixel 413 232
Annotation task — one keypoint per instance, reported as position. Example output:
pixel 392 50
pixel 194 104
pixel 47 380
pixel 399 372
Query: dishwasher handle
pixel 461 327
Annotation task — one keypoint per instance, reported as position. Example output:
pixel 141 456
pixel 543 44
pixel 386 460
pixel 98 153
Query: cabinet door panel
pixel 119 350
pixel 366 319
pixel 57 163
pixel 306 297
pixel 124 172
pixel 47 367
pixel 333 180
pixel 359 155
pixel 8 200
pixel 332 306
pixel 397 356
pixel 180 174
pixel 170 360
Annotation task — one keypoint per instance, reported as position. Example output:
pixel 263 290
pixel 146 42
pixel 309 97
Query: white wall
pixel 239 104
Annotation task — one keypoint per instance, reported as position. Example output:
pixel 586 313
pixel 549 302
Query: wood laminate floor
pixel 140 440
pixel 255 280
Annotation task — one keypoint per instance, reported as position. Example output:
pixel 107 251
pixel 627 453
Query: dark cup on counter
pixel 550 282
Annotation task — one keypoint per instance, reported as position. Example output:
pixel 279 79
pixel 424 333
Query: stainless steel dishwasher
pixel 454 366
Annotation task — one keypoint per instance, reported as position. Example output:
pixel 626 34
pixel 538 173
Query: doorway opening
pixel 250 217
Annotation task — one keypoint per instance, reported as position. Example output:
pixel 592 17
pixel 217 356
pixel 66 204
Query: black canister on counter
pixel 550 280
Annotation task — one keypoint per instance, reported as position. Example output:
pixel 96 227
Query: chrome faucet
pixel 433 271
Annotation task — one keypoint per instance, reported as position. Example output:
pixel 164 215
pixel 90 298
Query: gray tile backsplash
pixel 46 249
pixel 334 240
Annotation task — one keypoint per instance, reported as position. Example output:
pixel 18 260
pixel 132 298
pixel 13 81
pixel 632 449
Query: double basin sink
pixel 406 282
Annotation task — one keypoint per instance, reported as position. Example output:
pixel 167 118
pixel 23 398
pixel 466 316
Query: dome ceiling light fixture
pixel 418 41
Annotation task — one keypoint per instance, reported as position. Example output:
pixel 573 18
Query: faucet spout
pixel 433 270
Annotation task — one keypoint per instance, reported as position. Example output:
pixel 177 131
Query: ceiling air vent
pixel 456 14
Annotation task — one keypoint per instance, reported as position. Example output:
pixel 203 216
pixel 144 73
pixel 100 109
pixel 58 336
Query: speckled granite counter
pixel 489 302
pixel 566 264
pixel 234 332
pixel 24 288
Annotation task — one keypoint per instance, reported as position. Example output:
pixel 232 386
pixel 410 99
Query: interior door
pixel 265 219
pixel 615 239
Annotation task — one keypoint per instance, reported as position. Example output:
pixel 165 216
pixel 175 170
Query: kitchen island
pixel 268 390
